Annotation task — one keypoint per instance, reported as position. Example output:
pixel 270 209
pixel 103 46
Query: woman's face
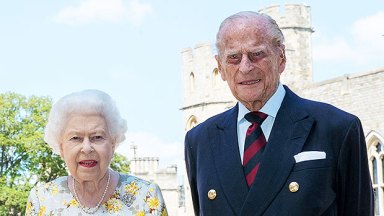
pixel 86 147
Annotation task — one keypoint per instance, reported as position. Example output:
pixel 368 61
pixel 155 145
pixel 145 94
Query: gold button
pixel 211 194
pixel 293 187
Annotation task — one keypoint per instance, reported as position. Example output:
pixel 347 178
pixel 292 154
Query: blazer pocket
pixel 312 164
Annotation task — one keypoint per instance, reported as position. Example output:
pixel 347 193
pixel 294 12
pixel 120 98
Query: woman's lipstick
pixel 88 163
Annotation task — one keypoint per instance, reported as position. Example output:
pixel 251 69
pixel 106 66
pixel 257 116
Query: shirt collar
pixel 270 108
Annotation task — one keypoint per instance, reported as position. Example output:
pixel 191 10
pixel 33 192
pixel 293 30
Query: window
pixel 374 170
pixel 192 81
pixel 376 165
pixel 215 77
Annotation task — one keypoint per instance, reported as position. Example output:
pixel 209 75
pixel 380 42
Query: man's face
pixel 249 62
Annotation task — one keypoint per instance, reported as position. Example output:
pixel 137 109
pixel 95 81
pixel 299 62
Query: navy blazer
pixel 337 185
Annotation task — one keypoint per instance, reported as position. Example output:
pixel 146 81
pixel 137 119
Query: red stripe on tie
pixel 253 149
pixel 251 176
pixel 251 129
pixel 253 145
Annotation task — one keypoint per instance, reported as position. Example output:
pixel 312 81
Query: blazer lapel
pixel 290 130
pixel 227 160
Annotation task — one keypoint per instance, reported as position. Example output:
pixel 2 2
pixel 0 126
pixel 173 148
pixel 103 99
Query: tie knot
pixel 256 117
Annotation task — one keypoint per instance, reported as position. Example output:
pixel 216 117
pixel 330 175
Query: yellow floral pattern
pixel 132 196
pixel 113 205
pixel 29 208
pixel 132 188
pixel 164 212
pixel 140 213
pixel 153 203
pixel 42 211
pixel 72 202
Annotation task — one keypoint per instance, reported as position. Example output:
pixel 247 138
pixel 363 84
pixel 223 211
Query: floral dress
pixel 132 196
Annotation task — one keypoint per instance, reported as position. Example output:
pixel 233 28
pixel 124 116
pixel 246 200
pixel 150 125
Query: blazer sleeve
pixel 354 188
pixel 190 163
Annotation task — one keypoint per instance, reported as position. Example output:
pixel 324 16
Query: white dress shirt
pixel 270 108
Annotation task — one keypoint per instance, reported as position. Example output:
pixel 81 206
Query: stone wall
pixel 360 94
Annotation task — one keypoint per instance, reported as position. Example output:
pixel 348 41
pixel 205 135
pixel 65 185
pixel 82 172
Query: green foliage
pixel 25 158
pixel 120 163
pixel 13 199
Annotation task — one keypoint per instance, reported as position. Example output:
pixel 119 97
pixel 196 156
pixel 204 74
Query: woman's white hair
pixel 84 103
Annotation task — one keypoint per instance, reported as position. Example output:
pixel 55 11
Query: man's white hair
pixel 273 30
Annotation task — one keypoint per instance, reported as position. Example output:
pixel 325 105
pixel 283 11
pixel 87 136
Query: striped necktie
pixel 254 145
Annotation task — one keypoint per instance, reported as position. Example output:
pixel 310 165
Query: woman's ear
pixel 61 151
pixel 113 144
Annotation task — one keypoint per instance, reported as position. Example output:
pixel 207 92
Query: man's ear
pixel 283 58
pixel 219 66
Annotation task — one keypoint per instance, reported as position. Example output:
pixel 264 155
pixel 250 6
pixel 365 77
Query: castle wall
pixel 204 92
pixel 295 22
pixel 359 94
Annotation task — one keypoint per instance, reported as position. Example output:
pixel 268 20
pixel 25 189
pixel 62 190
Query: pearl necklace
pixel 93 209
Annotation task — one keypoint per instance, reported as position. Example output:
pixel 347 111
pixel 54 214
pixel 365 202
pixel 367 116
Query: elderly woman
pixel 85 128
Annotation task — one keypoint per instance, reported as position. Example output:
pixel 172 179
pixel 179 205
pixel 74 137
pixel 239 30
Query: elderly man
pixel 274 153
